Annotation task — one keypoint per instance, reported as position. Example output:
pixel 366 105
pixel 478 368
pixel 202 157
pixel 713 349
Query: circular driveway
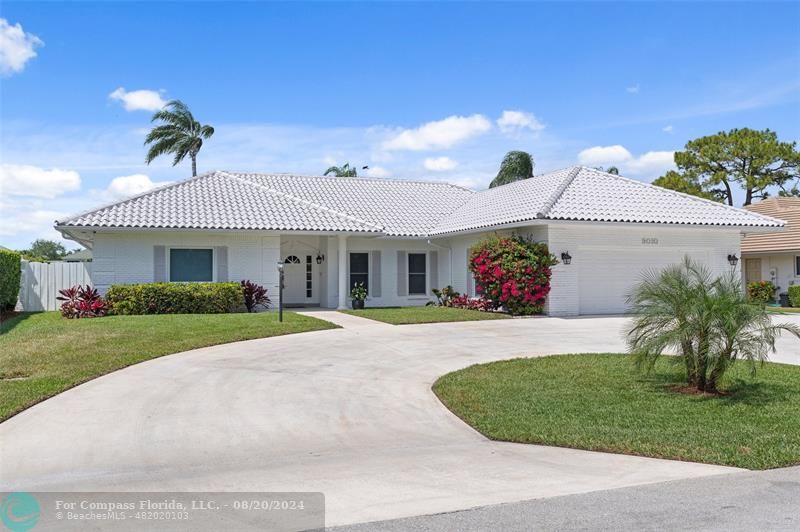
pixel 348 412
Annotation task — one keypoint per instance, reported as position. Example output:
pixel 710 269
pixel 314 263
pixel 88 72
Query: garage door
pixel 607 275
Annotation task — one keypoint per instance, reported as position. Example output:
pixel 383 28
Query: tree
pixel 342 171
pixel 753 160
pixel 708 322
pixel 686 184
pixel 516 165
pixel 180 134
pixel 46 249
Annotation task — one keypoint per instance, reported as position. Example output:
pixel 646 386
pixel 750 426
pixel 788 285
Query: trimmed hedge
pixel 761 292
pixel 175 298
pixel 10 271
pixel 794 295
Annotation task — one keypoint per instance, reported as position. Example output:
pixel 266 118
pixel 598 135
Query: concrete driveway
pixel 348 412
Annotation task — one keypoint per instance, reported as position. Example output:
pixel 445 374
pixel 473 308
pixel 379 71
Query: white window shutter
pixel 402 273
pixel 222 263
pixel 375 275
pixel 433 258
pixel 159 264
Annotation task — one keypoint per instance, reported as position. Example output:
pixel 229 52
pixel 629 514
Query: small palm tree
pixel 342 171
pixel 516 165
pixel 180 134
pixel 708 322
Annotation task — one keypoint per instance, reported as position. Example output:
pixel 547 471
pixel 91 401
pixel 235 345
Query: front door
pixel 752 270
pixel 294 271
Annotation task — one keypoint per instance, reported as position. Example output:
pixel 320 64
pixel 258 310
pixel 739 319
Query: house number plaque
pixel 650 241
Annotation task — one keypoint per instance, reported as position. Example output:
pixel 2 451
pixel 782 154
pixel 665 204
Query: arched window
pixel 291 259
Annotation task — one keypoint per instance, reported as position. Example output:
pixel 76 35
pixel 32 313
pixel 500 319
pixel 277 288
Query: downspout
pixel 449 256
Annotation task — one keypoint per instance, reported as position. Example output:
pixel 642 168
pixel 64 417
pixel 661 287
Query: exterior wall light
pixel 320 258
pixel 733 259
pixel 566 258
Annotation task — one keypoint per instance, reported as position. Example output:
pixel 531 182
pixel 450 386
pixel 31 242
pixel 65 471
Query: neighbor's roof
pixel 787 240
pixel 586 194
pixel 224 200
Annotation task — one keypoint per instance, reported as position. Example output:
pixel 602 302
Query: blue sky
pixel 417 90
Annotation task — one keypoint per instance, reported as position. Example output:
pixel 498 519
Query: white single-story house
pixel 403 238
pixel 774 256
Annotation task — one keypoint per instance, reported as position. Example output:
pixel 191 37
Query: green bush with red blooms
pixel 513 273
pixel 761 292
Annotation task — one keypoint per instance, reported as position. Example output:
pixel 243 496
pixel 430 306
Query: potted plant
pixel 358 294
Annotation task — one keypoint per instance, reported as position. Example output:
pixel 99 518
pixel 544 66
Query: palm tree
pixel 180 134
pixel 516 165
pixel 708 322
pixel 342 171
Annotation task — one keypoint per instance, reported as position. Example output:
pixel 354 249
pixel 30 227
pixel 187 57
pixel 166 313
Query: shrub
pixel 82 302
pixel 359 292
pixel 762 292
pixel 254 296
pixel 175 298
pixel 513 273
pixel 794 295
pixel 444 297
pixel 471 303
pixel 10 267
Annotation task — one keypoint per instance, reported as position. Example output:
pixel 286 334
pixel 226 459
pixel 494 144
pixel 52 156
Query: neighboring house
pixel 82 255
pixel 403 238
pixel 774 256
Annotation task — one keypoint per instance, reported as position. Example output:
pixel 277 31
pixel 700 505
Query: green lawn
pixel 43 354
pixel 788 310
pixel 411 315
pixel 599 402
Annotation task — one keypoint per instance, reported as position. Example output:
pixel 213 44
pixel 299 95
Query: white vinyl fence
pixel 41 282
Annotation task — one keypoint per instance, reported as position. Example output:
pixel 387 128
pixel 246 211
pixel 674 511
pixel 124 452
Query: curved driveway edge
pixel 348 412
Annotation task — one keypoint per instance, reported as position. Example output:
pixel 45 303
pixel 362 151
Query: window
pixel 309 276
pixel 291 259
pixel 416 274
pixel 191 265
pixel 359 269
pixel 797 266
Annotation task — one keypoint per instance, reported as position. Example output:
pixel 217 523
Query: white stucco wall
pixel 778 268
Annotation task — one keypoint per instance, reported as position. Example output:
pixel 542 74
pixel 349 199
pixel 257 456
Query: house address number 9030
pixel 650 241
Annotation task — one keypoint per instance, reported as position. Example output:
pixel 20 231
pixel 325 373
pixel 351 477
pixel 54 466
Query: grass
pixel 43 354
pixel 600 403
pixel 412 315
pixel 781 310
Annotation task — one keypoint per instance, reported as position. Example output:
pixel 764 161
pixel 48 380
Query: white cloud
pixel 667 129
pixel 377 171
pixel 140 100
pixel 439 134
pixel 129 185
pixel 633 89
pixel 16 47
pixel 439 164
pixel 27 180
pixel 516 121
pixel 649 164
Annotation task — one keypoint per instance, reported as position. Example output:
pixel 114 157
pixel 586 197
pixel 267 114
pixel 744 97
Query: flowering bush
pixel 513 273
pixel 761 292
pixel 255 295
pixel 471 303
pixel 359 292
pixel 82 302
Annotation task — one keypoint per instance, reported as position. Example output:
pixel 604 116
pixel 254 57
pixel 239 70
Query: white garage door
pixel 607 275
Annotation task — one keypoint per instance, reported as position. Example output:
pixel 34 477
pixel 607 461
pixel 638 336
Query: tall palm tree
pixel 708 322
pixel 342 171
pixel 179 134
pixel 516 165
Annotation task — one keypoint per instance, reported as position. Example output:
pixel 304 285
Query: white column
pixel 342 272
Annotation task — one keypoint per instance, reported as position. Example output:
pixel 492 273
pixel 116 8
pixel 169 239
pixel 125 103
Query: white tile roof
pixel 224 200
pixel 586 194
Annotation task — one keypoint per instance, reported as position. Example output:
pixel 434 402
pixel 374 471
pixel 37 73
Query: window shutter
pixel 222 263
pixel 402 274
pixel 159 264
pixel 433 257
pixel 376 274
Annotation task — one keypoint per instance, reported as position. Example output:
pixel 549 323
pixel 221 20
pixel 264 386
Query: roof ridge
pixel 148 192
pixel 684 195
pixel 551 201
pixel 358 178
pixel 301 200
